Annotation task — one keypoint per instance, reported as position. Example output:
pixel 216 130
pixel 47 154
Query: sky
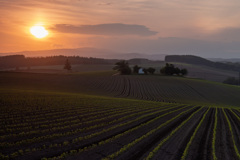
pixel 207 28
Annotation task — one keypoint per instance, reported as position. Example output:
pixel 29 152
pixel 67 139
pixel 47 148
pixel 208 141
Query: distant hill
pixel 82 52
pixel 13 61
pixel 195 60
pixel 135 61
pixel 128 56
pixel 87 52
pixel 232 60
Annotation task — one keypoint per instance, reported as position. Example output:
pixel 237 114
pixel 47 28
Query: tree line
pixel 16 61
pixel 169 69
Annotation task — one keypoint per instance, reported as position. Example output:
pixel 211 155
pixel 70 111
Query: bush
pixel 231 80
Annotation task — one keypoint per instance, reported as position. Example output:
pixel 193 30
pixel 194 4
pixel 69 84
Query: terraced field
pixel 44 121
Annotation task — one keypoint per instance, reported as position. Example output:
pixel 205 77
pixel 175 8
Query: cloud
pixel 106 29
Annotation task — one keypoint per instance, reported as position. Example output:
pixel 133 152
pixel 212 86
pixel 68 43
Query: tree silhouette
pixel 122 67
pixel 145 71
pixel 67 65
pixel 136 69
pixel 170 69
pixel 151 70
pixel 184 72
pixel 177 71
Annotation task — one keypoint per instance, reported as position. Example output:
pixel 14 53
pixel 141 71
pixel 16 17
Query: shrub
pixel 231 80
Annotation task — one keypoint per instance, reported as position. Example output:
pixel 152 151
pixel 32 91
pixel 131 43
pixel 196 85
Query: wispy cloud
pixel 106 29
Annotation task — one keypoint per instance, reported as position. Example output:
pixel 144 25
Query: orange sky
pixel 95 23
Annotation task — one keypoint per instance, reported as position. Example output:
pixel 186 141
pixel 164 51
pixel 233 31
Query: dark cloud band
pixel 106 29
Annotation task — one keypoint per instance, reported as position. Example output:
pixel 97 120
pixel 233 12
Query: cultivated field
pixel 39 125
pixel 155 88
pixel 63 116
pixel 169 89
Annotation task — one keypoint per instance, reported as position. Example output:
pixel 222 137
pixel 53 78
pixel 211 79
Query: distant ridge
pixel 191 59
pixel 87 52
pixel 233 60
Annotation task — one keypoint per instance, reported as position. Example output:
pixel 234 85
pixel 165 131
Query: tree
pixel 67 65
pixel 169 69
pixel 151 70
pixel 136 69
pixel 184 72
pixel 177 71
pixel 122 67
pixel 145 71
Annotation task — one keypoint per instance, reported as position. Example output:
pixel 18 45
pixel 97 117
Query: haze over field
pixel 210 29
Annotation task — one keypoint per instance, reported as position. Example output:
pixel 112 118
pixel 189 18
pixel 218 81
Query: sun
pixel 38 31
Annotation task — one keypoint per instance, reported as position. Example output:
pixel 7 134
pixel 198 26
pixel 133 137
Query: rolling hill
pixel 97 115
pixel 155 88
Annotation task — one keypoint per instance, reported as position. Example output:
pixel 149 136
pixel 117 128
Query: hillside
pixel 99 116
pixel 155 88
pixel 195 60
pixel 87 52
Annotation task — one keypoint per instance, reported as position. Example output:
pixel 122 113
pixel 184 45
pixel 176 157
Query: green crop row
pixel 79 139
pixel 231 130
pixel 120 135
pixel 126 147
pixel 155 150
pixel 193 136
pixel 62 127
pixel 214 136
pixel 68 133
pixel 64 119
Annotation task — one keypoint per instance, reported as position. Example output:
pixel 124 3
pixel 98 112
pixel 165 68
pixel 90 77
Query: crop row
pixel 131 130
pixel 128 132
pixel 78 127
pixel 147 88
pixel 136 148
pixel 78 139
pixel 56 125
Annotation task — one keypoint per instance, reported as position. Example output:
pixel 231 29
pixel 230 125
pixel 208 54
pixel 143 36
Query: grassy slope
pixel 195 91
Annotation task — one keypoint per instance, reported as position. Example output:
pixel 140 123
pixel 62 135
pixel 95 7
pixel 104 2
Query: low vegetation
pixel 232 81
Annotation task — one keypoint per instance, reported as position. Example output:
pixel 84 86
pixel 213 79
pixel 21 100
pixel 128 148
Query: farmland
pixel 100 116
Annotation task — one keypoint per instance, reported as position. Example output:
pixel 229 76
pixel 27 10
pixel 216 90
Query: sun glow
pixel 39 31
